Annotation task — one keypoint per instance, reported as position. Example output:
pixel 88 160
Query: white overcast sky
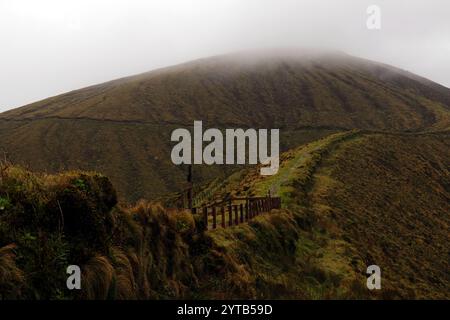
pixel 49 47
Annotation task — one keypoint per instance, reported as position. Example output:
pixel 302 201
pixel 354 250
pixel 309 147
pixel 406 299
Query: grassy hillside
pixel 140 252
pixel 122 128
pixel 350 200
pixel 360 199
pixel 388 197
pixel 364 179
pixel 49 222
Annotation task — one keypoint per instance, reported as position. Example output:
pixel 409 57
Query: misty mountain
pixel 122 128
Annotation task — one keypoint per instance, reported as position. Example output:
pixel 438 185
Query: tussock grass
pixel 49 222
pixel 12 279
pixel 313 248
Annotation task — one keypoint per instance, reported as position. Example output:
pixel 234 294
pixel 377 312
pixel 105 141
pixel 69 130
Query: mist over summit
pixel 122 127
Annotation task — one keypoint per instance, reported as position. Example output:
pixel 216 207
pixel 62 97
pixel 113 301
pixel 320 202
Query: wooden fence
pixel 236 211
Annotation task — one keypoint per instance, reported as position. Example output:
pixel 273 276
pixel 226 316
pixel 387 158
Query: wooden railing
pixel 235 211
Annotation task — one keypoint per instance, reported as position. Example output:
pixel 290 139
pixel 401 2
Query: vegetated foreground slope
pixel 351 200
pixel 140 252
pixel 360 199
pixel 122 128
pixel 389 198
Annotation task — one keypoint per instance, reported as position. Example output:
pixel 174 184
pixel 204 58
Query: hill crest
pixel 122 128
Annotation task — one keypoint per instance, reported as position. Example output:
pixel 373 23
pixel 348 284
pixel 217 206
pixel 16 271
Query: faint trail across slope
pixel 299 163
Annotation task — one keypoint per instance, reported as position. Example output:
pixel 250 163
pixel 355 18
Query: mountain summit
pixel 122 128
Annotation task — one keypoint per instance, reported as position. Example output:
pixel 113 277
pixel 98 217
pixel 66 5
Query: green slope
pixel 122 128
pixel 358 198
pixel 350 200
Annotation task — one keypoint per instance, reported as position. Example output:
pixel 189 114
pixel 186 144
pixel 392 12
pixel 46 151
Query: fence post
pixel 214 212
pixel 242 212
pixel 230 214
pixel 247 210
pixel 222 211
pixel 205 217
pixel 236 214
pixel 252 209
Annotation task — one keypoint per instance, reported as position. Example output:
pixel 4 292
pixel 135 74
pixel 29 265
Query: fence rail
pixel 236 211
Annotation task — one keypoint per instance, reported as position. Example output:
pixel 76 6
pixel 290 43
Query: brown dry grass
pixel 12 279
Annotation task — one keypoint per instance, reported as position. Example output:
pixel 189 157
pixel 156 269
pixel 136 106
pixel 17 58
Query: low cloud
pixel 50 47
